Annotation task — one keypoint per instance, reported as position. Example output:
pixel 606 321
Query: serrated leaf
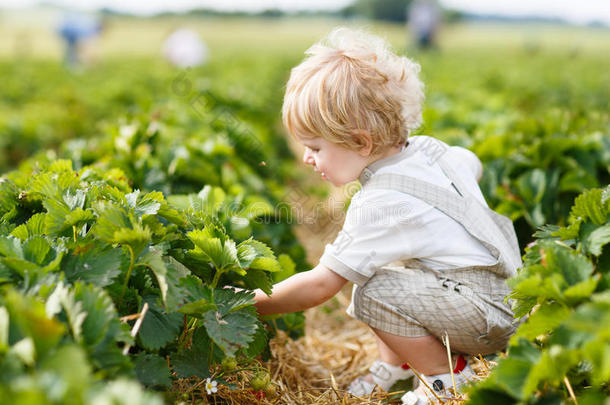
pixel 94 264
pixel 197 308
pixel 588 206
pixel 158 328
pixel 101 314
pixel 597 239
pixel 8 196
pixel 63 297
pixel 35 226
pixel 153 259
pixel 231 332
pixel 229 300
pixel 258 279
pixel 152 370
pixel 265 263
pixel 37 250
pixel 222 255
pixel 245 254
pixel 137 237
pixel 581 291
pixel 288 268
pixel 551 368
pixel 574 267
pixel 110 219
pixel 258 343
pixel 543 320
pixel 148 204
pixel 209 200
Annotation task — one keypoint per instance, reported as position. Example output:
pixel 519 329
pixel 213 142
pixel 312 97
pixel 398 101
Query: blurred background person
pixel 184 48
pixel 74 28
pixel 424 18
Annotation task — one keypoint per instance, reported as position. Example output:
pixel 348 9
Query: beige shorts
pixel 414 303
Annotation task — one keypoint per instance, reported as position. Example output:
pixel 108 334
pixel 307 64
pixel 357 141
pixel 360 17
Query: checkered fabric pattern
pixel 411 299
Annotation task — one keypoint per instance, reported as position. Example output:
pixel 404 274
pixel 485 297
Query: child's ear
pixel 365 141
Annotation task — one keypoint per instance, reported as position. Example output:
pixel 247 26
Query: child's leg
pixel 425 354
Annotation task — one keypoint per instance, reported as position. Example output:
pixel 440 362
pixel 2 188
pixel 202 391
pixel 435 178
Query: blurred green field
pixel 32 36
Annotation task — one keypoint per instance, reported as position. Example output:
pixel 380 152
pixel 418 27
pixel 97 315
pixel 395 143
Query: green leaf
pixel 152 370
pixel 148 204
pixel 158 328
pixel 511 374
pixel 288 268
pixel 95 264
pixel 232 331
pixel 194 361
pixel 543 320
pixel 102 318
pixel 209 199
pixel 153 259
pixel 35 226
pixel 589 206
pixel 551 368
pixel 8 196
pixel 597 239
pixel 37 250
pixel 266 263
pixel 573 266
pixel 222 255
pixel 259 342
pixel 258 279
pixel 70 362
pixel 65 213
pixel 64 298
pixel 245 254
pixel 137 238
pixel 30 318
pixel 532 186
pixel 229 300
pixel 581 291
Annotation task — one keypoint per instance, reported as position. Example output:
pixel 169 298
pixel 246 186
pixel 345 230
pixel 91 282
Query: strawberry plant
pixel 83 251
pixel 562 296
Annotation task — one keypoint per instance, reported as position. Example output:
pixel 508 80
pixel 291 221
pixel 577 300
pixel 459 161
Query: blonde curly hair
pixel 350 83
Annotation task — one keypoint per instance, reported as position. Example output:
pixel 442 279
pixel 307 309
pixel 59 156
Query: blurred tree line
pixel 388 10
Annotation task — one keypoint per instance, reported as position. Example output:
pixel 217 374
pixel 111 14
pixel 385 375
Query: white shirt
pixel 383 226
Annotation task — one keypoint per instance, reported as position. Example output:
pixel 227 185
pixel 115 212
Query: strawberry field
pixel 141 204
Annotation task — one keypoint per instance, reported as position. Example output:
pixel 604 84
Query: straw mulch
pixel 315 369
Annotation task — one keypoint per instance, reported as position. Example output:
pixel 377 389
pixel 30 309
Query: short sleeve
pixel 370 235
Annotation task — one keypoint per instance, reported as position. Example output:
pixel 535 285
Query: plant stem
pixel 216 278
pixel 570 390
pixel 132 259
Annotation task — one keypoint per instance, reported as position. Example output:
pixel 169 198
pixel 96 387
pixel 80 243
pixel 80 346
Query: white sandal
pixel 440 384
pixel 384 376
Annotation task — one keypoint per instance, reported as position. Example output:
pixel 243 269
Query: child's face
pixel 335 163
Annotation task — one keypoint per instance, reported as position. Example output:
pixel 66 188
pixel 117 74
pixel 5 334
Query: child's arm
pixel 301 291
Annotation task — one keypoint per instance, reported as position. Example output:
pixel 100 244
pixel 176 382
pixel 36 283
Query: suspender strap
pixel 494 231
